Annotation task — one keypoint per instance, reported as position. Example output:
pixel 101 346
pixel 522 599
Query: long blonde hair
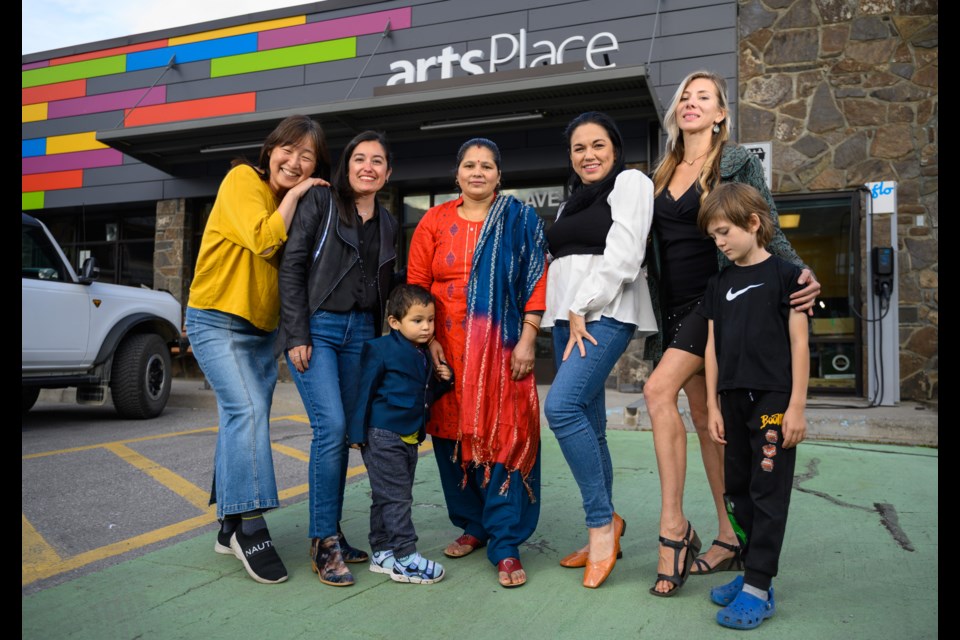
pixel 673 155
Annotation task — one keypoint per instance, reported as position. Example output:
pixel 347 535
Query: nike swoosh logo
pixel 733 295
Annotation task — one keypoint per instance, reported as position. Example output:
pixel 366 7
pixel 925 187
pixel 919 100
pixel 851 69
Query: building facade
pixel 124 142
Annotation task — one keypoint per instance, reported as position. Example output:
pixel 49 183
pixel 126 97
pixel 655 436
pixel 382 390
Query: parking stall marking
pixel 40 560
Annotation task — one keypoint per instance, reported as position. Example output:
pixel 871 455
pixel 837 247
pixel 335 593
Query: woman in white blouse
pixel 597 300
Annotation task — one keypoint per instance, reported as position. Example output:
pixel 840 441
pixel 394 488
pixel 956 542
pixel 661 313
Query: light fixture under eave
pixel 455 124
pixel 789 220
pixel 221 148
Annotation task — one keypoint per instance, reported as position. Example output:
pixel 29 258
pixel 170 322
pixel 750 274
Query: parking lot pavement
pixel 860 561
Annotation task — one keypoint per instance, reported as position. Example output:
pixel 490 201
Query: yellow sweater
pixel 239 255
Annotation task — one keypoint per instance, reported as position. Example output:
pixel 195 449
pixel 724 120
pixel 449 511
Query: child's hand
pixel 443 371
pixel 356 445
pixel 715 426
pixel 794 427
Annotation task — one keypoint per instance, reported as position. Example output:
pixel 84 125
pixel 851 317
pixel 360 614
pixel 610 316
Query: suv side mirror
pixel 89 271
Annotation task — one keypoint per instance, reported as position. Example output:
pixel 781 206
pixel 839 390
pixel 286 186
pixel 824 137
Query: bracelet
pixel 533 324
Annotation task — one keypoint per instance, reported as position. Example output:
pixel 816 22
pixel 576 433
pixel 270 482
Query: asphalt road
pixel 97 489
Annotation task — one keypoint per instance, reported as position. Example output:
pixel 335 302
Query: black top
pixel 750 309
pixel 358 288
pixel 688 258
pixel 581 232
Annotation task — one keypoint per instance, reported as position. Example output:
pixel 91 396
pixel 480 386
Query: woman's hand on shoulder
pixel 803 299
pixel 300 356
pixel 578 333
pixel 301 189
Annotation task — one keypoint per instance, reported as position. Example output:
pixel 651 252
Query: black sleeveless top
pixel 687 257
pixel 583 232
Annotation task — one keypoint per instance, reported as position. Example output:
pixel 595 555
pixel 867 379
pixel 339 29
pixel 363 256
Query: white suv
pixel 76 332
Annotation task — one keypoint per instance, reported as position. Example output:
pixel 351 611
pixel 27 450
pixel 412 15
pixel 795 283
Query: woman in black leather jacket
pixel 335 276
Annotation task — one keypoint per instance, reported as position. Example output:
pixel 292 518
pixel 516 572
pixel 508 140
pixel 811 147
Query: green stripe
pixel 31 200
pixel 285 57
pixel 73 71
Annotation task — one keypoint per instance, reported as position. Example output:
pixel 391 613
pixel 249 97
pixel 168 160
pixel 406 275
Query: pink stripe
pixel 332 29
pixel 105 102
pixel 67 161
pixel 35 65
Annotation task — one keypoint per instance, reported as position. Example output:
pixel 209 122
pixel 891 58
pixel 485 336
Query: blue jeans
pixel 237 359
pixel 577 413
pixel 327 389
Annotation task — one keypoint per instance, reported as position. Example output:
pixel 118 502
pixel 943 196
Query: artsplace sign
pixel 503 49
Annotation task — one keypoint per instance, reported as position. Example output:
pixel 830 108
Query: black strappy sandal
pixel 733 563
pixel 690 542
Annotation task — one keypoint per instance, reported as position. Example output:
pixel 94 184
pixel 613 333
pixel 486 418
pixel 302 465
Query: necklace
pixel 690 162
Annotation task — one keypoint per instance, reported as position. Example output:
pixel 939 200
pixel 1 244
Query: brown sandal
pixel 466 540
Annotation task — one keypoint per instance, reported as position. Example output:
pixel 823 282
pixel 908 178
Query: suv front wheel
pixel 140 380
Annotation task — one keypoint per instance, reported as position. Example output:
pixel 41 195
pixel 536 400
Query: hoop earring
pixel 716 128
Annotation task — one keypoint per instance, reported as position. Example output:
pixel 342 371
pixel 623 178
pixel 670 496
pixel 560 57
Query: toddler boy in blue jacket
pixel 398 384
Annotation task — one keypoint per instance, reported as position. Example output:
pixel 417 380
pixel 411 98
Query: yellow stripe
pixel 294 492
pixel 74 142
pixel 117 548
pixel 88 447
pixel 175 482
pixel 243 28
pixel 302 419
pixel 35 553
pixel 33 112
pixel 290 451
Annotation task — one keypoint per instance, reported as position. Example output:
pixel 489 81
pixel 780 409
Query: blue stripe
pixel 245 43
pixel 33 147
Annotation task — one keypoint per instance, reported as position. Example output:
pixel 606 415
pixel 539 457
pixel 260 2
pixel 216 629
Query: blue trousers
pixel 503 521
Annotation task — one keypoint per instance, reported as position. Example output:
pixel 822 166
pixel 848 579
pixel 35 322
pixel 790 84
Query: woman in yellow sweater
pixel 232 317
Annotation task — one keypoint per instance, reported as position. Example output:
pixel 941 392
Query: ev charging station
pixel 883 317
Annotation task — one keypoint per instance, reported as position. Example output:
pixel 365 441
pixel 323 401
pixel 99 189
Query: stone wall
pixel 847 91
pixel 171 249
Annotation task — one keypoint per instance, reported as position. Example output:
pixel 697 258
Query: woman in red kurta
pixel 482 258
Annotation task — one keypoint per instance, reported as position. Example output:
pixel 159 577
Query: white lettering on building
pixel 503 49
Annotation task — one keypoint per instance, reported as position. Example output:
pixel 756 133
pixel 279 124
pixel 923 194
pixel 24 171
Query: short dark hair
pixel 405 296
pixel 291 131
pixel 736 202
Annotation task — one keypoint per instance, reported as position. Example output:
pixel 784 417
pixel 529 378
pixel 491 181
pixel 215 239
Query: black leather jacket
pixel 306 281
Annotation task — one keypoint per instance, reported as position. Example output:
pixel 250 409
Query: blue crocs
pixel 746 611
pixel 725 594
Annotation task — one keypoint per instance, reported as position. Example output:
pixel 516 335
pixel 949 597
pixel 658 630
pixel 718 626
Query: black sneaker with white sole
pixel 224 533
pixel 258 556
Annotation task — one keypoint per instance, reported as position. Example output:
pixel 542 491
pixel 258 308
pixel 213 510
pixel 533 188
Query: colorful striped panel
pixel 33 112
pixel 103 53
pixel 337 28
pixel 74 142
pixel 33 147
pixel 253 27
pixel 192 109
pixel 51 181
pixel 50 92
pixel 35 65
pixel 32 200
pixel 75 71
pixel 192 52
pixel 107 102
pixel 287 57
pixel 67 161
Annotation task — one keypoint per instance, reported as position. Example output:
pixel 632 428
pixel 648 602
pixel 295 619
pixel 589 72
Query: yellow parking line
pixel 69 564
pixel 173 481
pixel 290 451
pixel 88 447
pixel 35 553
pixel 294 418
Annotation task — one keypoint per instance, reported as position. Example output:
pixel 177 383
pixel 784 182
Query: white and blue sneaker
pixel 382 562
pixel 416 569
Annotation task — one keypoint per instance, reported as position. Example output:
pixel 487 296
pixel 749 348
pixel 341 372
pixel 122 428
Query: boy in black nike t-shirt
pixel 757 364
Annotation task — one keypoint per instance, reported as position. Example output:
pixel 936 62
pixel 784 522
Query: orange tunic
pixel 441 253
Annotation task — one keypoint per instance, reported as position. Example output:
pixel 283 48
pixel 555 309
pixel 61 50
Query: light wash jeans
pixel 328 390
pixel 576 411
pixel 237 359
